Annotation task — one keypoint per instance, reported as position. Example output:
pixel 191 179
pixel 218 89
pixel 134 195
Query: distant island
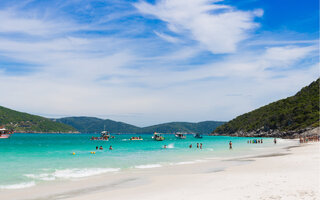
pixel 95 125
pixel 287 118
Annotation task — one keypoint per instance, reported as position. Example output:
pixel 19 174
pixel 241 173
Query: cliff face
pixel 275 133
pixel 285 118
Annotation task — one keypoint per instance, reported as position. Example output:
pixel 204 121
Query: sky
pixel 149 62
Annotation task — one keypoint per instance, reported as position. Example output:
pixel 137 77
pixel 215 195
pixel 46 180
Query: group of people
pixel 314 138
pixel 101 148
pixel 199 146
pixel 255 141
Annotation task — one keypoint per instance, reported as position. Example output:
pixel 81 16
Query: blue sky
pixel 148 62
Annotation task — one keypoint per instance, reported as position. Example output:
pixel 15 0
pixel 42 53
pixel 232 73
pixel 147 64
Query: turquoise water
pixel 28 159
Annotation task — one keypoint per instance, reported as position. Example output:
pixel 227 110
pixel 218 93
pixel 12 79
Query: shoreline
pixel 188 177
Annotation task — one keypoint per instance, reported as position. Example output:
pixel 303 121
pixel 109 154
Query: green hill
pixel 294 113
pixel 23 122
pixel 96 125
pixel 202 127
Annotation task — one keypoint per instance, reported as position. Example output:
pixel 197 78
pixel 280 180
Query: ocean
pixel 30 159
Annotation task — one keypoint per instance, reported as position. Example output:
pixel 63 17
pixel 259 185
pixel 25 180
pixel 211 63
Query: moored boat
pixel 198 135
pixel 180 136
pixel 157 137
pixel 5 133
pixel 104 136
pixel 136 138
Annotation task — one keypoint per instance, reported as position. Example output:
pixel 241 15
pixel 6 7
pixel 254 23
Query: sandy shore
pixel 292 173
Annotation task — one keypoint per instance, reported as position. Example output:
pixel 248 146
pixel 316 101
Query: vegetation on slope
pixel 95 125
pixel 23 122
pixel 202 127
pixel 293 113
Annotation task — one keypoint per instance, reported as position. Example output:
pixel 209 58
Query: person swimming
pixel 230 145
pixel 100 148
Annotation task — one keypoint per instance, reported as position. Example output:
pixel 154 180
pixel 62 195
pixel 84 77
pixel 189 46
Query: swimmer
pixel 101 148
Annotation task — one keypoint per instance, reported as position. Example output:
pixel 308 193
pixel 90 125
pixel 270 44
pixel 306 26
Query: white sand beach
pixel 292 173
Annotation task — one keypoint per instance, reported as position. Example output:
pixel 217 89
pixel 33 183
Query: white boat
pixel 180 136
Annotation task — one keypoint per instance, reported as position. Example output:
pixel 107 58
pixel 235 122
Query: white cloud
pixel 167 37
pixel 143 82
pixel 219 28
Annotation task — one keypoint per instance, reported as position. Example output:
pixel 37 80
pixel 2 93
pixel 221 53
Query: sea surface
pixel 30 159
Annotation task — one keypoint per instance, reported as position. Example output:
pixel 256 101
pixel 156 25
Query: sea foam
pixel 71 173
pixel 79 173
pixel 147 166
pixel 18 185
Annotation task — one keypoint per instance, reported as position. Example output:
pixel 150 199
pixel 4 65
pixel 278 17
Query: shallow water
pixel 28 159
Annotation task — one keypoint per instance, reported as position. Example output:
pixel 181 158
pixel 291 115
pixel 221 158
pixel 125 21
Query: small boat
pixel 136 138
pixel 104 136
pixel 5 133
pixel 198 135
pixel 180 136
pixel 157 137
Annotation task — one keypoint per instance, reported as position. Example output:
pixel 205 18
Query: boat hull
pixel 4 136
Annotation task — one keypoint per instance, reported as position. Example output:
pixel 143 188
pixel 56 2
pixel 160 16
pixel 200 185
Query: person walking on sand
pixel 275 141
pixel 230 145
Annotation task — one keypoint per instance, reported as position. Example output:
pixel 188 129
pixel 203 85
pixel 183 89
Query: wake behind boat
pixel 5 133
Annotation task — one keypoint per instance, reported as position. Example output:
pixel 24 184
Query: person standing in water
pixel 230 145
pixel 110 148
pixel 275 141
pixel 200 145
pixel 190 146
pixel 165 146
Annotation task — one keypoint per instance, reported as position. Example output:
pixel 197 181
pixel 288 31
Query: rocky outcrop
pixel 275 133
